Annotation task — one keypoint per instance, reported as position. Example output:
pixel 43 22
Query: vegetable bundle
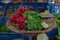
pixel 33 20
pixel 26 19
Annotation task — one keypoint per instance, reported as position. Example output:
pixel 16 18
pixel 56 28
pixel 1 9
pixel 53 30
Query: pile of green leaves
pixel 3 28
pixel 33 20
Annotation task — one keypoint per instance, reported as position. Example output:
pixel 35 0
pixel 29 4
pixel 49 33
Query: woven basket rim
pixel 29 32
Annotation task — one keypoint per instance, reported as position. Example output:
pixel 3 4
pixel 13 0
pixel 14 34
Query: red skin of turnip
pixel 14 16
pixel 24 17
pixel 11 19
pixel 22 26
pixel 22 21
pixel 19 13
pixel 17 20
pixel 21 9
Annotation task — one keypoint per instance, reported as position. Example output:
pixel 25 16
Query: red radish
pixel 19 13
pixel 25 17
pixel 20 9
pixel 21 17
pixel 22 26
pixel 17 20
pixel 14 15
pixel 22 21
pixel 17 16
pixel 11 19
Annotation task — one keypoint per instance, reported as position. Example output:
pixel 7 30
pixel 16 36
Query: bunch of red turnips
pixel 18 18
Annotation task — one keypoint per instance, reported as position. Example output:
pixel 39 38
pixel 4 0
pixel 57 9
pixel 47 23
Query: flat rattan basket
pixel 51 21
